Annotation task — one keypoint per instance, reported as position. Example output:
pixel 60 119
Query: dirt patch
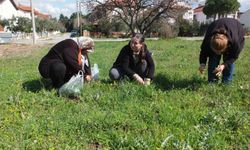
pixel 7 50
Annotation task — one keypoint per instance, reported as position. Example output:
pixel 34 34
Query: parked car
pixel 74 33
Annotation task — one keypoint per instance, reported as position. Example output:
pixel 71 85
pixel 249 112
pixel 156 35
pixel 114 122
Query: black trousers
pixel 56 71
pixel 117 73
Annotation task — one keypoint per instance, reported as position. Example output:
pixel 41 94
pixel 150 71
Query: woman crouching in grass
pixel 134 61
pixel 65 59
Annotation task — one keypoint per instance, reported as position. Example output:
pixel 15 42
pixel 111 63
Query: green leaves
pixel 179 110
pixel 221 7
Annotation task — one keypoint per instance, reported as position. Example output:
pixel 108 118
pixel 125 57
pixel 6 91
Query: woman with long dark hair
pixel 134 61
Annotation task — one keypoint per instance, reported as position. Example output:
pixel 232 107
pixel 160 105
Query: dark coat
pixel 235 34
pixel 127 64
pixel 66 52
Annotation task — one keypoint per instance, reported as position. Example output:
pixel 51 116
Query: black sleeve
pixel 236 45
pixel 70 56
pixel 87 69
pixel 151 65
pixel 125 65
pixel 205 46
pixel 203 56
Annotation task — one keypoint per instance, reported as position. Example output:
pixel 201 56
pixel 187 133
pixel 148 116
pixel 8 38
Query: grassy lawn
pixel 180 110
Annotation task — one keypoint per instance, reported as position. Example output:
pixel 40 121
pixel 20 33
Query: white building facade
pixel 245 19
pixel 202 18
pixel 8 9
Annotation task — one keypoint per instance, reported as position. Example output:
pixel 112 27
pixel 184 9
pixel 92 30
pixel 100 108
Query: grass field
pixel 180 110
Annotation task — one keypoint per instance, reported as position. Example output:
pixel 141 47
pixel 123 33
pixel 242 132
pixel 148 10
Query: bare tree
pixel 138 15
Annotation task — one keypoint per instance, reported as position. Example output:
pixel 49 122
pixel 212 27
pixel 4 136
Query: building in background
pixel 245 19
pixel 26 12
pixel 10 8
pixel 202 18
pixel 188 15
pixel 199 15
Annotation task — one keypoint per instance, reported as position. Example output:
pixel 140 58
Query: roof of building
pixel 1 28
pixel 198 9
pixel 27 9
pixel 14 3
pixel 36 12
pixel 42 15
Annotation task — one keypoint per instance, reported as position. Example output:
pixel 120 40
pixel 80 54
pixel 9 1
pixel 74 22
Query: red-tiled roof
pixel 24 8
pixel 41 15
pixel 1 28
pixel 198 9
pixel 37 13
pixel 27 9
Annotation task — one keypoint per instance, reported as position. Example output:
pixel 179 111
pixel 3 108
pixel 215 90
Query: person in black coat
pixel 65 59
pixel 224 37
pixel 135 61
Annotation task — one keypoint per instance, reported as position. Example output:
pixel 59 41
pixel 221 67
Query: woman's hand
pixel 88 78
pixel 202 68
pixel 218 71
pixel 138 79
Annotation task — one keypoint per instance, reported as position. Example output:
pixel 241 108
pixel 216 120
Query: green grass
pixel 180 110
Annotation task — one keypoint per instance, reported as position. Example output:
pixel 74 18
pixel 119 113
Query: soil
pixel 8 50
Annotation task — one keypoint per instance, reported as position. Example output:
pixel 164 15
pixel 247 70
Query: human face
pixel 135 45
pixel 89 48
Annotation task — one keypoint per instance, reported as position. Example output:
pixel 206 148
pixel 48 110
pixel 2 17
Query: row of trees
pixel 220 7
pixel 146 16
pixel 23 24
pixel 130 16
pixel 104 25
pixel 137 15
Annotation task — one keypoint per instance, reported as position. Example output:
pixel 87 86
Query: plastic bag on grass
pixel 73 87
pixel 95 72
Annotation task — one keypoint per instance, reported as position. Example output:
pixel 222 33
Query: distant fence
pixel 5 37
pixel 115 34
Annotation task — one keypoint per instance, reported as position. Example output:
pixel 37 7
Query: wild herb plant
pixel 179 110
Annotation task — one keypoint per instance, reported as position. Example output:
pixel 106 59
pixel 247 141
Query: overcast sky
pixel 67 7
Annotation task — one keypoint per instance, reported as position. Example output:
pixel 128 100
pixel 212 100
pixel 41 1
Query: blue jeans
pixel 227 74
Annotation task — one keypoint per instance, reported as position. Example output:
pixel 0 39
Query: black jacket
pixel 126 63
pixel 235 34
pixel 65 52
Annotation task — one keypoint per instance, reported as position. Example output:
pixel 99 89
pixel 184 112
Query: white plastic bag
pixel 73 87
pixel 95 72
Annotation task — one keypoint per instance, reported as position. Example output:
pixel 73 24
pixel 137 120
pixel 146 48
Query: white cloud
pixel 56 11
pixel 244 5
pixel 53 7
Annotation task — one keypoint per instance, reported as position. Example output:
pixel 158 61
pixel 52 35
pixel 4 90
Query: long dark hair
pixel 141 39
